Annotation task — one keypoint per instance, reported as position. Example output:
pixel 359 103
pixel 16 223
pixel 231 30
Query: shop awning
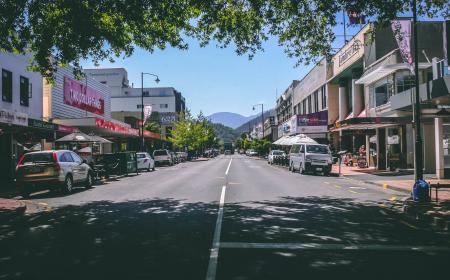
pixel 383 71
pixel 295 139
pixel 368 123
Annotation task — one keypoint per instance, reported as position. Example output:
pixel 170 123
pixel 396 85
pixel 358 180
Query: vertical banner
pixel 147 112
pixel 402 34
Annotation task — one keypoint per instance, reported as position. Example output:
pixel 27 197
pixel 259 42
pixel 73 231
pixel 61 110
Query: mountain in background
pixel 254 120
pixel 225 133
pixel 232 120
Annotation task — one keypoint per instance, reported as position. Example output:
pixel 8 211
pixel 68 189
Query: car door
pixel 83 167
pixel 301 156
pixel 293 155
pixel 76 166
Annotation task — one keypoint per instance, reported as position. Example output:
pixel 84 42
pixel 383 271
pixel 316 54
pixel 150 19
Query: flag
pixel 147 112
pixel 356 17
pixel 402 34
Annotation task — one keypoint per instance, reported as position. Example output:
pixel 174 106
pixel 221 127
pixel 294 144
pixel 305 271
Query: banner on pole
pixel 147 112
pixel 402 34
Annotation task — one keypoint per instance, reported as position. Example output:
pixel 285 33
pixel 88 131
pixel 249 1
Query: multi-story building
pixel 166 102
pixel 375 96
pixel 21 104
pixel 284 109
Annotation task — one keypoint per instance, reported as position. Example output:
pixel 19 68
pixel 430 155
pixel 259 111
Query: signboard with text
pixel 79 95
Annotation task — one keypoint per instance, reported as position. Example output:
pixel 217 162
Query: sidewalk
pixel 402 181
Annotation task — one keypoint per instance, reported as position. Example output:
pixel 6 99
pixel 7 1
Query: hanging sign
pixel 402 34
pixel 147 112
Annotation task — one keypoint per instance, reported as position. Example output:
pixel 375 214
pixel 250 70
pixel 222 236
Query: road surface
pixel 231 217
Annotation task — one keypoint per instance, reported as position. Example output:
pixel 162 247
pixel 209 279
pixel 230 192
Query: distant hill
pixel 232 120
pixel 225 133
pixel 253 121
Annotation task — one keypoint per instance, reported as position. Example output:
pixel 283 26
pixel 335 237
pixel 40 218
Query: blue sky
pixel 217 80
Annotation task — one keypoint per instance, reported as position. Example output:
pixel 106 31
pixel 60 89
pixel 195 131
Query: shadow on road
pixel 170 239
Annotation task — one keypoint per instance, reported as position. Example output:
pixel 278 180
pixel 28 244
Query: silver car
pixel 52 169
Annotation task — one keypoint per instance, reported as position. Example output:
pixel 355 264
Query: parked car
pixel 182 156
pixel 251 152
pixel 145 161
pixel 310 158
pixel 227 152
pixel 52 170
pixel 174 156
pixel 274 154
pixel 162 157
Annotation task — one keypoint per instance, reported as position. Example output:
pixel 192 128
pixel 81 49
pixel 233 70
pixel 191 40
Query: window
pixel 6 85
pixel 76 158
pixel 139 106
pixel 65 157
pixel 309 104
pixel 403 81
pixel 304 106
pixel 103 82
pixel 163 106
pixel 316 101
pixel 323 93
pixel 24 91
pixel 381 91
pixel 145 93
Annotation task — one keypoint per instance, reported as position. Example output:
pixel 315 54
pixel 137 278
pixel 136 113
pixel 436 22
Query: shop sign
pixel 116 127
pixel 15 118
pixel 151 134
pixel 168 118
pixel 394 139
pixel 66 128
pixel 41 124
pixel 351 52
pixel 82 97
pixel 312 123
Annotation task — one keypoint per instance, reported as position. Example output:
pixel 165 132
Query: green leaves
pixel 66 31
pixel 193 133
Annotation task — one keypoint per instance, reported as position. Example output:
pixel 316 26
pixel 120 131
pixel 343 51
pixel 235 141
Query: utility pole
pixel 142 107
pixel 418 156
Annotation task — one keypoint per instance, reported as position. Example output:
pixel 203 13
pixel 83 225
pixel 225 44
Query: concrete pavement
pixel 227 218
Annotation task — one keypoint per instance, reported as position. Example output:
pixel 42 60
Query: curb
pixel 16 210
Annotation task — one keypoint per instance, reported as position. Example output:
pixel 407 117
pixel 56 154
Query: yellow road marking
pixel 336 186
pixel 385 186
pixel 393 198
pixel 352 191
pixel 382 205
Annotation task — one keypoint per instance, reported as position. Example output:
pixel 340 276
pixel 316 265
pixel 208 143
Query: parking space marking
pixel 327 246
pixel 214 255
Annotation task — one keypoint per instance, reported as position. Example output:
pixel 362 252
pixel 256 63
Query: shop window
pixel 24 91
pixel 404 81
pixel 6 85
pixel 163 106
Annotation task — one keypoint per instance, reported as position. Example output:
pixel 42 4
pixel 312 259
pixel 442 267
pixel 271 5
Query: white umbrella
pixel 87 150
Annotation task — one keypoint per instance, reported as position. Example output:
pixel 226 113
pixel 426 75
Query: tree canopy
pixel 59 32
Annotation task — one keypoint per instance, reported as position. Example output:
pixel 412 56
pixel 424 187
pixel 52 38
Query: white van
pixel 310 158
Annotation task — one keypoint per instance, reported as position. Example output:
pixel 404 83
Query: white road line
pixel 317 246
pixel 228 168
pixel 214 255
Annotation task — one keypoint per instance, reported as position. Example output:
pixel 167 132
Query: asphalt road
pixel 227 218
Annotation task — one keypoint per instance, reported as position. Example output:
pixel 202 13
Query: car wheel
pixel 89 180
pixel 153 168
pixel 68 184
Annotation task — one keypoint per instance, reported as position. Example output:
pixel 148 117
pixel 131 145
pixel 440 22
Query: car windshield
pixel 317 149
pixel 38 157
pixel 140 155
pixel 160 153
pixel 277 153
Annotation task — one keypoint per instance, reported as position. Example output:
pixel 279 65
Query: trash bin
pixel 421 191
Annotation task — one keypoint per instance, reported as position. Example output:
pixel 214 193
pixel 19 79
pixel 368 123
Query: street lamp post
pixel 142 107
pixel 418 161
pixel 262 116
